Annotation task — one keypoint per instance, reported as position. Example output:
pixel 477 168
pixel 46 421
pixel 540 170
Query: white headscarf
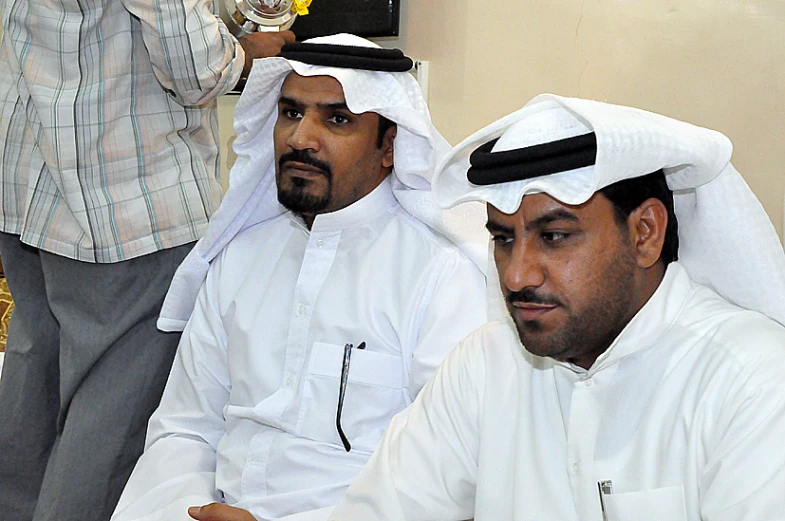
pixel 252 196
pixel 726 240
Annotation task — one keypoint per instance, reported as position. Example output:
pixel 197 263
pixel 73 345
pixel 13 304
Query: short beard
pixel 296 197
pixel 591 330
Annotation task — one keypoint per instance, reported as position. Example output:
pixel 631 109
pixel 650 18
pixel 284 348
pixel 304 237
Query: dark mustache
pixel 529 296
pixel 303 156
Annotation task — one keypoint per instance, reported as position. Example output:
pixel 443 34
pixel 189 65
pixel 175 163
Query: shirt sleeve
pixel 177 469
pixel 455 307
pixel 426 464
pixel 744 475
pixel 193 54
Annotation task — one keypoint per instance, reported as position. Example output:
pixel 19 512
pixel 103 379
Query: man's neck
pixel 308 219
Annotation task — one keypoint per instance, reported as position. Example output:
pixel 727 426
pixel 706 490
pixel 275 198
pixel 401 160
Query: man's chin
pixel 534 339
pixel 302 201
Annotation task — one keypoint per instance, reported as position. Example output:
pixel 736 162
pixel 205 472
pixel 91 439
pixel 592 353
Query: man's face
pixel 568 275
pixel 326 156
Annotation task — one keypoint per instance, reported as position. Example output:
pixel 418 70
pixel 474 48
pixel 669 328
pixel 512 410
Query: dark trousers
pixel 84 369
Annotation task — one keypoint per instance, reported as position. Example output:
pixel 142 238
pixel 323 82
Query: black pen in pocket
pixel 347 360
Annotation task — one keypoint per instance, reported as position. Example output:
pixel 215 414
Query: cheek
pixel 501 258
pixel 280 136
pixel 581 280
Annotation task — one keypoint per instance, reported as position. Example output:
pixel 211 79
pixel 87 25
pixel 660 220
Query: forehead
pixel 313 90
pixel 541 208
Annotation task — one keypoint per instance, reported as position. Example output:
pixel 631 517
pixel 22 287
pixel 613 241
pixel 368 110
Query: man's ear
pixel 388 146
pixel 647 225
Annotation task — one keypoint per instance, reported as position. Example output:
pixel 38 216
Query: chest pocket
pixel 647 505
pixel 373 396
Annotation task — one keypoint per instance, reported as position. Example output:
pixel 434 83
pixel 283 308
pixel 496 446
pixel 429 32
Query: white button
pixel 588 383
pixel 288 382
pixel 320 243
pixel 300 309
pixel 576 468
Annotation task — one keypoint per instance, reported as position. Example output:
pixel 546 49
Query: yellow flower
pixel 301 6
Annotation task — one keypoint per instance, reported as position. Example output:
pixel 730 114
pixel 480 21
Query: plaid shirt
pixel 108 126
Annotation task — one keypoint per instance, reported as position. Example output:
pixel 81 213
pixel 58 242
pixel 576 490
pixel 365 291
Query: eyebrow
pixel 494 227
pixel 338 105
pixel 559 214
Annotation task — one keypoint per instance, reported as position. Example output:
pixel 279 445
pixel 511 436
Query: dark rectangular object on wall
pixel 368 18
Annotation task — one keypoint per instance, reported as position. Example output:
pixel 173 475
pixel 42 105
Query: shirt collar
pixel 650 323
pixel 360 212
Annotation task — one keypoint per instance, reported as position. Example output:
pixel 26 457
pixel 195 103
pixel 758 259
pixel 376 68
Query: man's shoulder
pixel 261 230
pixel 752 338
pixel 421 235
pixel 742 338
pixel 496 341
pixel 254 241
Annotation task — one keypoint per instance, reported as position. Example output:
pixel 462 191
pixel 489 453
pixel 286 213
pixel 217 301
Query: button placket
pixel 581 442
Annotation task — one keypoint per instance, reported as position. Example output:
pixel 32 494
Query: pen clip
pixel 604 488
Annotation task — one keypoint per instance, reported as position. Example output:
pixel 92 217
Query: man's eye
pixel 502 239
pixel 291 113
pixel 340 119
pixel 553 237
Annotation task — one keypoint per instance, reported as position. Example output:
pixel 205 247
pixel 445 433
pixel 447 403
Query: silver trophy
pixel 244 17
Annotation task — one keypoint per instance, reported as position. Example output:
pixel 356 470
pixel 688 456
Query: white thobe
pixel 249 413
pixel 684 414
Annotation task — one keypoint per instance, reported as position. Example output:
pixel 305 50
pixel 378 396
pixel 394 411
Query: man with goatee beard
pixel 335 287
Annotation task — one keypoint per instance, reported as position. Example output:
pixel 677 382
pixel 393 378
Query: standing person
pixel 641 377
pixel 108 163
pixel 335 287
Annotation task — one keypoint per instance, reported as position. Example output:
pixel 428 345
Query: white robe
pixel 685 414
pixel 249 412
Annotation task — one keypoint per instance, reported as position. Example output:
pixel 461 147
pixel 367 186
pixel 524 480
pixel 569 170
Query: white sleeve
pixel 425 467
pixel 193 54
pixel 744 476
pixel 177 469
pixel 455 307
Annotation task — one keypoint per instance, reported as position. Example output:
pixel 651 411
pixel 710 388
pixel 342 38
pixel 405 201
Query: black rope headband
pixel 489 168
pixel 347 56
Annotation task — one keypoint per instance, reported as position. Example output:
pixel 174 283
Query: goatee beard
pixel 298 200
pixel 296 197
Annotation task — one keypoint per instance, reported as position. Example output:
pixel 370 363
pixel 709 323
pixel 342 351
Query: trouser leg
pixel 114 364
pixel 29 396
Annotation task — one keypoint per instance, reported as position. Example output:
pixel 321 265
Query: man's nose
pixel 523 269
pixel 305 135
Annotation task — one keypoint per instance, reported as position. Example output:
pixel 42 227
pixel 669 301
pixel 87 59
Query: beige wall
pixel 715 63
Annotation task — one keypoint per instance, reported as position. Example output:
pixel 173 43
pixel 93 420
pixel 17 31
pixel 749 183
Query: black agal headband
pixel 488 168
pixel 347 56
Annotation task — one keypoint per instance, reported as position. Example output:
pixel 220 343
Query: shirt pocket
pixel 373 396
pixel 647 505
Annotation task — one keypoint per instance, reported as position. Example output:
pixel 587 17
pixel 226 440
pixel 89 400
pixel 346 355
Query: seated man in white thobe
pixel 629 385
pixel 335 287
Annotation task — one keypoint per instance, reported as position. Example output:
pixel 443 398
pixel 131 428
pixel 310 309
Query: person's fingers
pixel 219 512
pixel 288 36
